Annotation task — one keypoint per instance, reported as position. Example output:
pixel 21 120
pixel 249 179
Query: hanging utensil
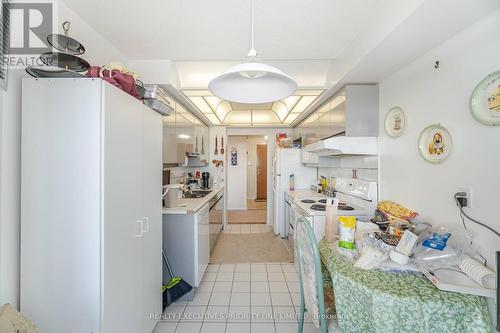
pixel 196 145
pixel 64 43
pixel 203 145
pixel 69 47
pixel 216 151
pixel 222 144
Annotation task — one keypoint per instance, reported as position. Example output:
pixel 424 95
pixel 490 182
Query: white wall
pixel 237 174
pixel 430 96
pixel 99 51
pixel 252 143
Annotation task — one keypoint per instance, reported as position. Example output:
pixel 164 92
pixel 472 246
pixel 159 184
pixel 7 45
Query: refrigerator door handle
pixel 140 227
pixel 146 223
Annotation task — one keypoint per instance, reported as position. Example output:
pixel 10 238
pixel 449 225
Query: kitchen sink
pixel 196 194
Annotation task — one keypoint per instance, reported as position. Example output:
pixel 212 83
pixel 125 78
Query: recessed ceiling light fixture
pixel 252 81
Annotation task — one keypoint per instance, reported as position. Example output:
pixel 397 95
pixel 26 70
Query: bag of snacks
pixel 347 225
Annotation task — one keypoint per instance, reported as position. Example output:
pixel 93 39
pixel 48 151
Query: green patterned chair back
pixel 310 277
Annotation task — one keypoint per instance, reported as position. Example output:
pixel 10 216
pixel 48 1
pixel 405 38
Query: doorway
pixel 247 182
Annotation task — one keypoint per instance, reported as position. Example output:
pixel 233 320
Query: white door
pixel 122 205
pixel 152 214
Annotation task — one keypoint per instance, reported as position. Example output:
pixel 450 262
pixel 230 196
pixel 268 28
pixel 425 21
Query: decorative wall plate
pixel 395 122
pixel 485 100
pixel 435 143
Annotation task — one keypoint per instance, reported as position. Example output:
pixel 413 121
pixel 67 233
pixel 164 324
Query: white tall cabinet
pixel 91 224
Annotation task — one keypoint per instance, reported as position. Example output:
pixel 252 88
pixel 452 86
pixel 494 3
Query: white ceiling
pixel 220 29
pixel 322 44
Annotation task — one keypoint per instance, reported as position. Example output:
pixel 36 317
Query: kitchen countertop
pixel 191 206
pixel 304 194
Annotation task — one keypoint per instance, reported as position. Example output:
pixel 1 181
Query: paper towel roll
pixel 477 272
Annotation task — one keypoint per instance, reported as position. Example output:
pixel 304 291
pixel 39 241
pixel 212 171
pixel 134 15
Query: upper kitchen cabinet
pixel 353 111
pixel 169 138
pixel 307 130
pixel 183 133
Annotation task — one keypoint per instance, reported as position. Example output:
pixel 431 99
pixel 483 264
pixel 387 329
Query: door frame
pixel 271 146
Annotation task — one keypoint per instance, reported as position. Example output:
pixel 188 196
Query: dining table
pixel 379 301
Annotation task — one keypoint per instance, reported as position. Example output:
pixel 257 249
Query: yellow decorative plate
pixel 435 143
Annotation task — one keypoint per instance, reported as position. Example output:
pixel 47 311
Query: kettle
pixel 171 193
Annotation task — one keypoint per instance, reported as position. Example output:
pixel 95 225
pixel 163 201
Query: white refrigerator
pixel 285 163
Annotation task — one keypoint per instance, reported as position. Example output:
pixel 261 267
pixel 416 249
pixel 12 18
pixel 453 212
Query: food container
pixel 157 98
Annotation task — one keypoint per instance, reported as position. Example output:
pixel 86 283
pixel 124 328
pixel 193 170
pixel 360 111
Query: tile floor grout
pixel 277 282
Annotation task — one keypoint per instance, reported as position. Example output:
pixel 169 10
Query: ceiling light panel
pixel 242 106
pixel 283 112
pixel 290 118
pixel 304 102
pixel 280 110
pixel 213 119
pixel 261 117
pixel 290 101
pixel 201 104
pixel 223 109
pixel 213 101
pixel 239 118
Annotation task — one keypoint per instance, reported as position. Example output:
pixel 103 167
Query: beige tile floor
pixel 240 298
pixel 246 228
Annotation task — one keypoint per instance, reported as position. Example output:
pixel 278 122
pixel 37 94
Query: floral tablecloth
pixel 375 301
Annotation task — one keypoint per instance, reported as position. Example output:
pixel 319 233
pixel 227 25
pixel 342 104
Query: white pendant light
pixel 252 81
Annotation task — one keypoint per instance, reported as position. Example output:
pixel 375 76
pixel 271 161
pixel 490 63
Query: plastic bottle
pixel 332 220
pixel 291 183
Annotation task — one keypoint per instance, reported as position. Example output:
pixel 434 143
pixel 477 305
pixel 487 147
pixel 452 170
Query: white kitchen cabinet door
pixel 60 205
pixel 122 209
pixel 203 243
pixel 151 259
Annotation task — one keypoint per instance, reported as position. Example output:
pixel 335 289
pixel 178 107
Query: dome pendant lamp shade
pixel 252 81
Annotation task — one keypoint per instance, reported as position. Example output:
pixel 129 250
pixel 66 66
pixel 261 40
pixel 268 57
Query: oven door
pixel 295 214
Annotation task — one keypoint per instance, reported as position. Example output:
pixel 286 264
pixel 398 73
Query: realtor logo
pixel 30 24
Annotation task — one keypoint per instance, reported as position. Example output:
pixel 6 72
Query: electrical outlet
pixel 467 192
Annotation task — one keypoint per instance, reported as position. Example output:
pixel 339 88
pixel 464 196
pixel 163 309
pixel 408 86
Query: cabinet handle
pixel 140 225
pixel 146 223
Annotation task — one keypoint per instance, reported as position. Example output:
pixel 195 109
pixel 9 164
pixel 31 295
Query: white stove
pixel 358 197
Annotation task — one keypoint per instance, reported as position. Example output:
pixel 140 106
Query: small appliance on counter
pixel 205 180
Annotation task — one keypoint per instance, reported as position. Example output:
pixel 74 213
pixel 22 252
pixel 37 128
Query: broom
pixel 175 288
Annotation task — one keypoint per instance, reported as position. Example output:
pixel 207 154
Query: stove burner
pixel 308 201
pixel 342 205
pixel 320 207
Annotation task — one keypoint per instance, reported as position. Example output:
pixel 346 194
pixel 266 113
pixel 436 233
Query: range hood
pixel 345 145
